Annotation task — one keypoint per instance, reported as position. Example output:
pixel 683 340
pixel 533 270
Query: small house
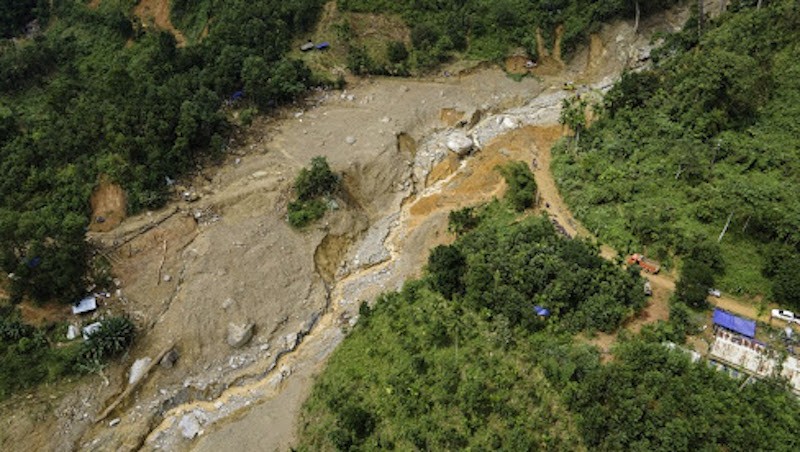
pixel 307 46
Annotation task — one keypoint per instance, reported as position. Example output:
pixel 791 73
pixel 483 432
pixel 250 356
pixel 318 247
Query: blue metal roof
pixel 541 311
pixel 735 323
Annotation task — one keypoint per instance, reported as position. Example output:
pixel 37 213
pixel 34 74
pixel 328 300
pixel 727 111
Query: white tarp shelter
pixel 88 304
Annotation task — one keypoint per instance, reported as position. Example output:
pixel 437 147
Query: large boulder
pixel 239 334
pixel 459 143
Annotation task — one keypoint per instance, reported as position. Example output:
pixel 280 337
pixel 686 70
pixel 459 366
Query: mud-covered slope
pixel 190 270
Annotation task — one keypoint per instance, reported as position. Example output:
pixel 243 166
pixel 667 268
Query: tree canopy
pixel 700 148
pixel 95 93
pixel 424 371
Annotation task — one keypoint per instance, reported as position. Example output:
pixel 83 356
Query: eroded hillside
pixel 189 271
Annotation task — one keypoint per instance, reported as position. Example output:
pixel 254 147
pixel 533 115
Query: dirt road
pixel 663 284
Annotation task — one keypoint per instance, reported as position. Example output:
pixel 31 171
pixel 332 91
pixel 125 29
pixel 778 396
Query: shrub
pixel 246 116
pixel 311 184
pixel 316 181
pixel 396 52
pixel 114 337
pixel 303 213
pixel 521 185
pixel 463 220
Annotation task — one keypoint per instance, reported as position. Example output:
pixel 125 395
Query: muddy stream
pixel 262 412
pixel 388 137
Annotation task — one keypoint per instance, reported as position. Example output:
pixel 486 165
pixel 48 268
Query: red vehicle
pixel 648 265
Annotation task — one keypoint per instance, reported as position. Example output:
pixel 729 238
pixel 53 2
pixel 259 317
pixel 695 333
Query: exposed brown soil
pixel 549 63
pixel 156 13
pixel 49 313
pixel 185 280
pixel 109 206
pixel 517 64
pixel 329 254
pixel 450 116
pixel 382 26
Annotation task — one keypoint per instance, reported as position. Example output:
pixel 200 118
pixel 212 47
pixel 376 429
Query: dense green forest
pixel 485 29
pixel 461 360
pixel 95 93
pixel 705 138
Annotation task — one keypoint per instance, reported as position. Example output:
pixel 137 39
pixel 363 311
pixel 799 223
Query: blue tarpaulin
pixel 540 311
pixel 323 45
pixel 735 323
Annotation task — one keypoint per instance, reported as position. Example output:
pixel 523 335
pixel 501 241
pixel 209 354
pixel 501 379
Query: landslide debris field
pixel 222 258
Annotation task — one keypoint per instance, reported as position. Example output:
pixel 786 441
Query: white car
pixel 784 315
pixel 715 292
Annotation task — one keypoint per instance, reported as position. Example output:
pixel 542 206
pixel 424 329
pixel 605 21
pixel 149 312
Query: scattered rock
pixel 169 360
pixel 189 426
pixel 239 335
pixel 137 369
pixel 350 140
pixel 459 143
pixel 90 329
pixel 385 120
pixel 190 196
pixel 259 174
pixel 306 327
pixel 474 118
pixel 167 278
pixel 510 123
pixel 291 341
pixel 227 303
pixel 72 332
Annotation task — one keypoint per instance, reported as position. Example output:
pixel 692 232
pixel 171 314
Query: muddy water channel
pixel 262 413
pixel 389 139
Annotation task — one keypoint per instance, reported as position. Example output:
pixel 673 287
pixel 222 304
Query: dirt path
pixel 663 285
pixel 157 12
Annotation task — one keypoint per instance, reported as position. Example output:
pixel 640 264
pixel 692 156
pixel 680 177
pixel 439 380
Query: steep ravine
pixel 392 250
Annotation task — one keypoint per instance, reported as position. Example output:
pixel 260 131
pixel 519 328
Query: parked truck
pixel 648 265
